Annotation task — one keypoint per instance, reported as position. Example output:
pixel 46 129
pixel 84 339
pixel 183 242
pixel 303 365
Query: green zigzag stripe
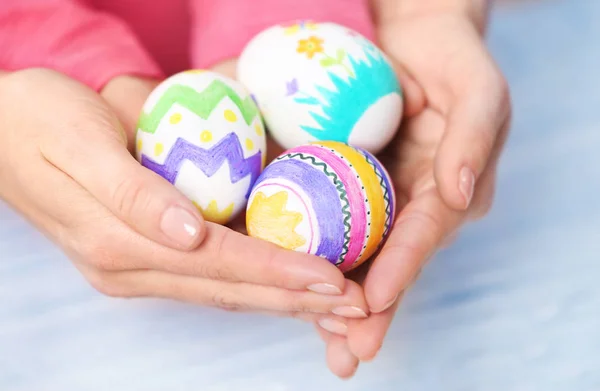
pixel 200 103
pixel 343 196
pixel 386 194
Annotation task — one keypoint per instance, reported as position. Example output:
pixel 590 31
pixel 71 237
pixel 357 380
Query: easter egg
pixel 324 198
pixel 203 133
pixel 322 82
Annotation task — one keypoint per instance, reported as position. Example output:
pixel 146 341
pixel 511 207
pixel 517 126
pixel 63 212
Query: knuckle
pixel 226 300
pixel 218 268
pixel 296 303
pixel 296 306
pixel 130 195
pixel 213 271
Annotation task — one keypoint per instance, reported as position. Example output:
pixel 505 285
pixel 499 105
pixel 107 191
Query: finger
pixel 414 96
pixel 102 240
pixel 486 185
pixel 340 360
pixel 473 125
pixel 230 256
pixel 484 194
pixel 327 323
pixel 227 68
pixel 419 230
pixel 126 96
pixel 94 155
pixel 225 295
pixel 365 337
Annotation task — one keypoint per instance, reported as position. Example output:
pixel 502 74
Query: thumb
pixel 95 155
pixel 473 126
pixel 126 96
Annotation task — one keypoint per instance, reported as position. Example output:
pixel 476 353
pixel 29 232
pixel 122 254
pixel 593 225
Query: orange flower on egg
pixel 310 46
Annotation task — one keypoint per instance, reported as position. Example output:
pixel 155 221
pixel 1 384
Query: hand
pixel 65 167
pixel 443 161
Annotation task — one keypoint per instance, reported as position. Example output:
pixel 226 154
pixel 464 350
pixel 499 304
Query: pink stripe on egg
pixel 355 198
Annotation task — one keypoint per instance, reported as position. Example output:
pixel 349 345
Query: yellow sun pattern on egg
pixel 213 214
pixel 269 220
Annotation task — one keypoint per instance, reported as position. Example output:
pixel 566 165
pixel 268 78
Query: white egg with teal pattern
pixel 322 82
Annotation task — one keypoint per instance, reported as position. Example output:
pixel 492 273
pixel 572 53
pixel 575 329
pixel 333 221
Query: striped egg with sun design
pixel 203 133
pixel 324 198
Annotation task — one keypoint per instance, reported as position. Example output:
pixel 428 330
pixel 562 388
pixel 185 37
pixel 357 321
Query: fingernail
pixel 387 305
pixel 180 226
pixel 466 184
pixel 349 312
pixel 325 289
pixel 333 326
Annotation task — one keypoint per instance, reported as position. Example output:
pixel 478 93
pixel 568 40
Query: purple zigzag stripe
pixel 209 160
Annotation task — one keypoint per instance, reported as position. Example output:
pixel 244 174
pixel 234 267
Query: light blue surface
pixel 513 305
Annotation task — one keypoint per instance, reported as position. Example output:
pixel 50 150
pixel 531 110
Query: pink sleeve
pixel 222 28
pixel 64 35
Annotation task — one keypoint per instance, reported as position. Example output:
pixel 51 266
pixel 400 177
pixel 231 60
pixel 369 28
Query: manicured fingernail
pixel 387 305
pixel 333 326
pixel 349 312
pixel 180 226
pixel 325 289
pixel 466 184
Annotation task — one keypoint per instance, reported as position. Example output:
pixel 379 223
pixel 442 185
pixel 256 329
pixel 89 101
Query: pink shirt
pixel 96 40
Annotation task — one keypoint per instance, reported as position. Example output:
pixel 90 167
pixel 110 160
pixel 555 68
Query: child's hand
pixel 443 160
pixel 64 166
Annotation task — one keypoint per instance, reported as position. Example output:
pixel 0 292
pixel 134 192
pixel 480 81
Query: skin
pixel 458 114
pixel 72 176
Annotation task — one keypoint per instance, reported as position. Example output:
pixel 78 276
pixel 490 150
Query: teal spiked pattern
pixel 347 102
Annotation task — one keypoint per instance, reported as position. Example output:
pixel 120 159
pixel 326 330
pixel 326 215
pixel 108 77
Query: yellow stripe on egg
pixel 373 191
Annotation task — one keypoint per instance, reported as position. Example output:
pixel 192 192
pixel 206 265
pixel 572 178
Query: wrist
pixel 477 11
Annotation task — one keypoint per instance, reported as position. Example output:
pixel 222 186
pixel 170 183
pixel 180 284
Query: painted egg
pixel 203 133
pixel 322 81
pixel 324 198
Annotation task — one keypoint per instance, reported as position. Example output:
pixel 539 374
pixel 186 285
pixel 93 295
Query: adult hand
pixel 65 166
pixel 443 160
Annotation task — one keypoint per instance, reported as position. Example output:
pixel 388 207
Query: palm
pixel 457 114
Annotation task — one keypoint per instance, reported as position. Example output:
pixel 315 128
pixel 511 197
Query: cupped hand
pixel 443 162
pixel 65 166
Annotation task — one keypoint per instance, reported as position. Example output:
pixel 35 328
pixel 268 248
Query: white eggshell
pixel 322 81
pixel 203 133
